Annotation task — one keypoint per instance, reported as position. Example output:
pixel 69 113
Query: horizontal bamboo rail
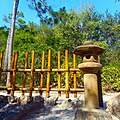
pixel 41 87
pixel 43 70
pixel 45 89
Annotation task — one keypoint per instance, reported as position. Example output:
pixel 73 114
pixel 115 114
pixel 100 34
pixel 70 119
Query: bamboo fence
pixel 14 70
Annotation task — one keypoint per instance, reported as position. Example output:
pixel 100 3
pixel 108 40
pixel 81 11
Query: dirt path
pixel 63 109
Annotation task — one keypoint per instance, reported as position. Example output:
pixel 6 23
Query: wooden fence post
pixel 42 73
pixel 59 75
pixel 75 83
pixel 1 58
pixel 25 73
pixel 67 76
pixel 48 73
pixel 32 74
pixel 11 73
pixel 14 74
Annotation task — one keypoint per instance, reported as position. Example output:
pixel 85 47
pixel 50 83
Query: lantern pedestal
pixel 90 66
pixel 90 83
pixel 91 91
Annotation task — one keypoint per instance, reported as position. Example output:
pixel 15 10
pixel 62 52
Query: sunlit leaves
pixel 110 78
pixel 19 19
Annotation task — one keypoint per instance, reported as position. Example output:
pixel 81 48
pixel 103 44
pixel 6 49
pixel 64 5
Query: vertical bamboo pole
pixel 25 73
pixel 10 81
pixel 11 73
pixel 48 73
pixel 75 83
pixel 42 73
pixel 59 75
pixel 14 74
pixel 1 57
pixel 32 74
pixel 67 76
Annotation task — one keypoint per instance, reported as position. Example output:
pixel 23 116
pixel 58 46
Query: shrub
pixel 110 78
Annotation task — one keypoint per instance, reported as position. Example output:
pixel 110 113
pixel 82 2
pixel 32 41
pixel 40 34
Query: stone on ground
pixel 93 114
pixel 113 105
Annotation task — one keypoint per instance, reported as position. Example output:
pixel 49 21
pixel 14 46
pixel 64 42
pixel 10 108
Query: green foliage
pixel 41 7
pixel 63 31
pixel 79 76
pixel 110 78
pixel 19 19
pixel 3 37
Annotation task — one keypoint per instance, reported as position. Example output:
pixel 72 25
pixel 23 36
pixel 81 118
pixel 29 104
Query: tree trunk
pixel 10 41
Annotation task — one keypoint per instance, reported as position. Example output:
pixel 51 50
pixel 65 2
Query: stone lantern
pixel 90 66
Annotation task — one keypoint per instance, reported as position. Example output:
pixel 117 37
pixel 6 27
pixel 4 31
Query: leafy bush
pixel 79 76
pixel 110 78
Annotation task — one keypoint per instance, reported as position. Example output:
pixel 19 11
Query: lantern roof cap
pixel 88 48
